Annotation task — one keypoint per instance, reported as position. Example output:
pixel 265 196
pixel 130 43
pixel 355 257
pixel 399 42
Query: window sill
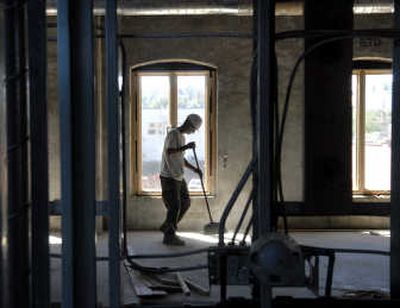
pixel 371 198
pixel 158 196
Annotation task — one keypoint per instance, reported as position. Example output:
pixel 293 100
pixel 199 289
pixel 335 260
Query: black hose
pixel 278 152
pixel 241 219
pixel 149 256
pixel 163 270
pixel 361 251
pixel 246 232
pixel 385 33
pixel 183 35
pixel 340 35
pixel 171 255
pixel 232 200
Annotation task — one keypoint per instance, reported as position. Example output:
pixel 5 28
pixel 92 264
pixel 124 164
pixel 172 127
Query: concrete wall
pixel 232 57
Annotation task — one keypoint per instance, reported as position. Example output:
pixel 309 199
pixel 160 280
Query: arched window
pixel 163 94
pixel 371 134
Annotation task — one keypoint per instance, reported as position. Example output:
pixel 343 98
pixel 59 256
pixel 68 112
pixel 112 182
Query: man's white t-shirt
pixel 172 164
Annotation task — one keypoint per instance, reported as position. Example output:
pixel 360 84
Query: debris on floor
pixel 366 294
pixel 155 285
pixel 142 288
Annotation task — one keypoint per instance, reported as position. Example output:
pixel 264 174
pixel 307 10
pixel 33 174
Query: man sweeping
pixel 175 193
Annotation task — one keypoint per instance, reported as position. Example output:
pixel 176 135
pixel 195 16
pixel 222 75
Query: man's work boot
pixel 164 227
pixel 173 240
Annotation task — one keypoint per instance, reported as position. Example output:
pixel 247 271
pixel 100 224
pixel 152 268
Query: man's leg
pixel 184 201
pixel 171 197
pixel 170 194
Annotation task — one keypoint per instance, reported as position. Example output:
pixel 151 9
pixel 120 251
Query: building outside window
pixel 162 99
pixel 371 133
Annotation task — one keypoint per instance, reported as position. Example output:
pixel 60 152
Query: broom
pixel 212 227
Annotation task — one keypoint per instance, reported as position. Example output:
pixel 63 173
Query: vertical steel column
pixel 395 166
pixel 75 62
pixel 124 215
pixel 15 84
pixel 113 151
pixel 264 120
pixel 264 117
pixel 3 172
pixel 253 106
pixel 37 40
pixel 64 81
pixel 327 105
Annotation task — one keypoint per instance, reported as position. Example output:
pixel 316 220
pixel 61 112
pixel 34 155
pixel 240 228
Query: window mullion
pixel 145 108
pixel 213 129
pixel 209 146
pixel 361 132
pixel 173 104
pixel 138 135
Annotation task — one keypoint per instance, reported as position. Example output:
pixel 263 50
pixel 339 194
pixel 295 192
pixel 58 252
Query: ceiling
pixel 219 7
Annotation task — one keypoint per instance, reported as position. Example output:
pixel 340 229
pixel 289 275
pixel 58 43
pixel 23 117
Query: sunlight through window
pixel 371 140
pixel 163 100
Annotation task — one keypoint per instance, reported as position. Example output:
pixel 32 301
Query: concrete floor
pixel 353 273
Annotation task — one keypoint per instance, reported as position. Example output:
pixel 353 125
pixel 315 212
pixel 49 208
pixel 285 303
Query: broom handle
pixel 202 185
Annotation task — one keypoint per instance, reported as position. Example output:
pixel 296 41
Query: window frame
pixel 361 74
pixel 209 122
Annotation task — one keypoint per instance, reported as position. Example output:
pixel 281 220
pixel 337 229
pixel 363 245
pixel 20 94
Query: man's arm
pixel 193 168
pixel 190 145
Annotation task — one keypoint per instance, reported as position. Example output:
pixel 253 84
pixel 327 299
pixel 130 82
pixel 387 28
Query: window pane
pixel 155 96
pixel 378 117
pixel 192 99
pixel 354 131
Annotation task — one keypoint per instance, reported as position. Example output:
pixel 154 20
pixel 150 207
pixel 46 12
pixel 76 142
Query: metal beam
pixel 75 63
pixel 264 116
pixel 327 140
pixel 113 151
pixel 265 16
pixel 226 7
pixel 3 173
pixel 192 7
pixel 15 84
pixel 395 168
pixel 37 41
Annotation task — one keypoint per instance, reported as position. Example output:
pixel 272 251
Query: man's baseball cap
pixel 195 120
